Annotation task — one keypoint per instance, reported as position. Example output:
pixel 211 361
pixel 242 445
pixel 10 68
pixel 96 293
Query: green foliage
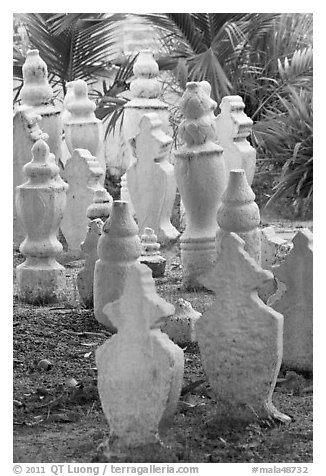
pixel 285 135
pixel 73 45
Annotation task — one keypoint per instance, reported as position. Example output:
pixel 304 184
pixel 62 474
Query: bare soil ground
pixel 57 411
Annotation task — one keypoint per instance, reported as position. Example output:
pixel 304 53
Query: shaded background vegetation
pixel 267 58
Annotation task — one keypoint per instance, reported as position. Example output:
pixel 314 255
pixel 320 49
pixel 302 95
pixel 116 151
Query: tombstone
pixel 140 370
pixel 119 247
pixel 145 91
pixel 273 251
pixel 233 127
pixel 67 101
pixel 296 272
pixel 85 277
pixel 239 337
pixel 101 206
pixel 36 118
pixel 200 174
pixel 181 326
pixel 83 173
pixel 65 115
pixel 40 204
pixel 83 130
pixel 238 213
pixel 151 181
pixel 150 254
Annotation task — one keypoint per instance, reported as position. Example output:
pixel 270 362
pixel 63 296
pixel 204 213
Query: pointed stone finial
pixel 200 174
pixel 119 247
pixel 83 173
pixel 239 337
pixel 150 254
pixel 101 206
pixel 36 90
pixel 85 277
pixel 145 69
pixel 79 105
pixel 233 127
pixel 181 326
pixel 151 180
pixel 238 213
pixel 40 203
pixel 296 272
pixel 139 370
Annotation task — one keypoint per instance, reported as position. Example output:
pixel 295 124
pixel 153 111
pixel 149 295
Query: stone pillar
pixel 85 277
pixel 233 127
pixel 238 213
pixel 151 181
pixel 150 254
pixel 140 370
pixel 239 337
pixel 201 180
pixel 145 90
pixel 36 118
pixel 82 128
pixel 83 173
pixel 40 204
pixel 296 272
pixel 119 247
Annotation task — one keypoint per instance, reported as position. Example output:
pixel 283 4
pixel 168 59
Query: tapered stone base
pixel 197 257
pixel 40 284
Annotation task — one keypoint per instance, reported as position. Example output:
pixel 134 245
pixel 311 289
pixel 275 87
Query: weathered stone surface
pixel 150 254
pixel 145 90
pixel 238 213
pixel 273 251
pixel 40 203
pixel 83 130
pixel 139 369
pixel 36 118
pixel 101 206
pixel 233 127
pixel 119 247
pixel 181 326
pixel 296 272
pixel 83 173
pixel 200 174
pixel 240 338
pixel 151 181
pixel 85 277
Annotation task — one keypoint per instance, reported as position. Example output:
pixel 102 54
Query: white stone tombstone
pixel 296 272
pixel 140 370
pixel 150 254
pixel 273 251
pixel 238 213
pixel 68 99
pixel 40 205
pixel 145 90
pixel 83 173
pixel 36 118
pixel 181 326
pixel 83 130
pixel 65 115
pixel 101 206
pixel 119 247
pixel 201 180
pixel 239 337
pixel 85 277
pixel 233 127
pixel 151 181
